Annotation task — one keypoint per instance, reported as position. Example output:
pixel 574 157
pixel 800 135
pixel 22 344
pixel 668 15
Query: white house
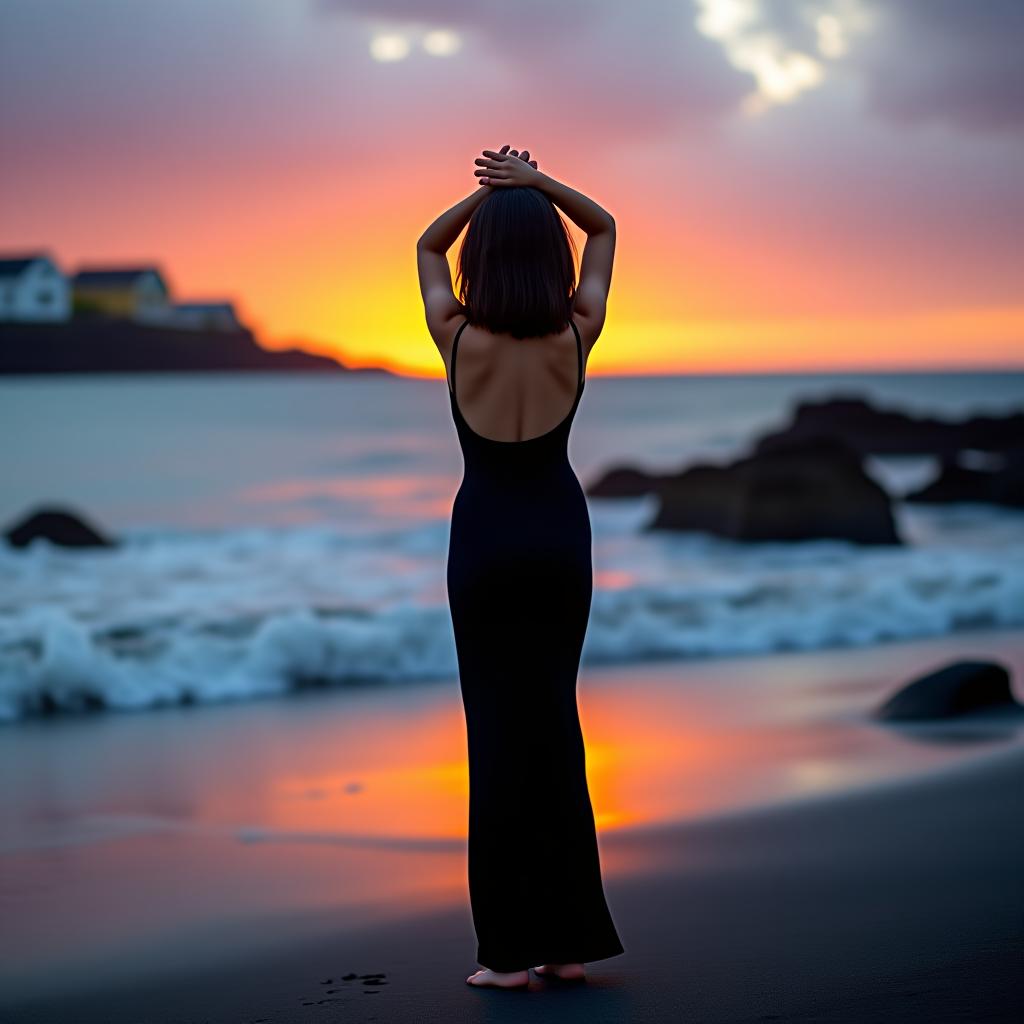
pixel 33 289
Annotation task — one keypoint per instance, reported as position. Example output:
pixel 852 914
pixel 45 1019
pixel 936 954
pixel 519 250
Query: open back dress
pixel 520 582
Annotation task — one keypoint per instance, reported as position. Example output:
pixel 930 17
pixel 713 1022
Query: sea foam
pixel 178 617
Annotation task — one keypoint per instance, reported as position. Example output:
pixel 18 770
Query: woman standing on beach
pixel 519 573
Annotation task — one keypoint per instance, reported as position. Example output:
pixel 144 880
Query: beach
pixel 237 750
pixel 804 863
pixel 735 459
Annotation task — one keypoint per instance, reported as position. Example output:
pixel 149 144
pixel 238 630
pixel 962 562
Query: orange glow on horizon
pixel 379 323
pixel 929 340
pixel 320 270
pixel 677 755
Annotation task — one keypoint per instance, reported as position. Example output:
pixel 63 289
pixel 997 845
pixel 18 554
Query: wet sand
pixel 900 902
pixel 862 897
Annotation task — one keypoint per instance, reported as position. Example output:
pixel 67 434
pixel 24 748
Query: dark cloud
pixel 643 68
pixel 646 65
pixel 955 61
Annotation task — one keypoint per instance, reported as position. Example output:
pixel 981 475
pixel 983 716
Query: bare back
pixel 515 389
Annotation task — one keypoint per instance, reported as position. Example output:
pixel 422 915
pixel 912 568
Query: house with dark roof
pixel 33 289
pixel 127 293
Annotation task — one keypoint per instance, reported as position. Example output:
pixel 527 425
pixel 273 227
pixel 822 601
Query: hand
pixel 525 155
pixel 507 168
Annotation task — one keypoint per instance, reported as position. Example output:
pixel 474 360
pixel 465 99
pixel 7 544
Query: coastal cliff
pixel 123 346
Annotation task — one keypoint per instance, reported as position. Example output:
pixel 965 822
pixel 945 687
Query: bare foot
pixel 567 972
pixel 485 977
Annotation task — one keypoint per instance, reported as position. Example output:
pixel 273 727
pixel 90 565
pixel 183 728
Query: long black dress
pixel 520 581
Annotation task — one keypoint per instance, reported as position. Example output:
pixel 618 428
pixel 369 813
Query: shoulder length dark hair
pixel 516 269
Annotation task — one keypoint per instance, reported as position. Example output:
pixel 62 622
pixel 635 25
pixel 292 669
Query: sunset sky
pixel 797 184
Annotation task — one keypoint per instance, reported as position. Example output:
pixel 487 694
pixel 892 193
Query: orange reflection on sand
pixel 414 801
pixel 644 766
pixel 402 775
pixel 392 773
pixel 682 752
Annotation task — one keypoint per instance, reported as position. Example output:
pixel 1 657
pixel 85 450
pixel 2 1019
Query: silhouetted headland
pixel 126 346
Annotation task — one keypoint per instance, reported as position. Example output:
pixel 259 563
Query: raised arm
pixel 441 235
pixel 497 169
pixel 440 305
pixel 583 211
pixel 598 253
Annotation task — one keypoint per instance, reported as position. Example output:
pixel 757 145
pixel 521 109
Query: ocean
pixel 288 531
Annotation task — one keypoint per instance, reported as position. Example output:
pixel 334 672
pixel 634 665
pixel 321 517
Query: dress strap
pixel 455 348
pixel 579 354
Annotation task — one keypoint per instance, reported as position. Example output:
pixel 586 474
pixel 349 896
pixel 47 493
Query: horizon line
pixel 768 372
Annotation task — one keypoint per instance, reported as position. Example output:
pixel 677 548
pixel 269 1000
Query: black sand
pixel 895 903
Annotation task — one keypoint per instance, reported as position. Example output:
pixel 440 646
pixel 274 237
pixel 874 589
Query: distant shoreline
pixel 100 346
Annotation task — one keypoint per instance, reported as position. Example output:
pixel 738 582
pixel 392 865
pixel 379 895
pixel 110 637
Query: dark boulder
pixel 874 431
pixel 702 497
pixel 58 526
pixel 956 482
pixel 956 689
pixel 808 490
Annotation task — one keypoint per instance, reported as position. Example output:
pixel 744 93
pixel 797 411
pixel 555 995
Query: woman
pixel 519 572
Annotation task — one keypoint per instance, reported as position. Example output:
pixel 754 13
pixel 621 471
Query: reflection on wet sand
pixel 195 832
